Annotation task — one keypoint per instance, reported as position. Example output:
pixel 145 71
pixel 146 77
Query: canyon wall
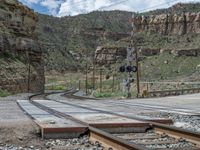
pixel 169 23
pixel 22 66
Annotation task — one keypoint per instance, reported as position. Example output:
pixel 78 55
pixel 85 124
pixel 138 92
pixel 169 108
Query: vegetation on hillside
pixel 179 8
pixel 80 35
pixel 69 42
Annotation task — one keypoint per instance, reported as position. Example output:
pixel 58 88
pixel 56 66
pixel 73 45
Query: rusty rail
pixel 116 143
pixel 177 133
pixel 107 139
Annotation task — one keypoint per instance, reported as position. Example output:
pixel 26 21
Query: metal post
pixel 138 74
pixel 86 80
pixel 93 75
pixel 29 71
pixel 100 80
pixel 79 84
pixel 113 83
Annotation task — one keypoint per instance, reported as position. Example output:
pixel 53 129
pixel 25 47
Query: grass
pixel 56 87
pixel 154 68
pixel 117 94
pixel 4 93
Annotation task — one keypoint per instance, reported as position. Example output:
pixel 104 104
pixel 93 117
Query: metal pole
pixel 138 74
pixel 113 83
pixel 100 80
pixel 86 80
pixel 29 76
pixel 79 84
pixel 93 75
pixel 29 71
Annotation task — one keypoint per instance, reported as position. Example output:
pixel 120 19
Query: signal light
pixel 128 69
pixel 131 69
pixel 122 69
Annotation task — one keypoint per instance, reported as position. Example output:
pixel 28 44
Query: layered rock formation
pixel 96 33
pixel 105 55
pixel 111 55
pixel 18 39
pixel 169 23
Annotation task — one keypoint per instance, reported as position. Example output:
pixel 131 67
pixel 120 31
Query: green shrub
pixel 56 87
pixel 4 93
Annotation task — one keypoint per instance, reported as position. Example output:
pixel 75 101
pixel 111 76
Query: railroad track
pixel 158 136
pixel 182 111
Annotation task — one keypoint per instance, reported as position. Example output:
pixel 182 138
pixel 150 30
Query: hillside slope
pixel 68 40
pixel 21 63
pixel 71 41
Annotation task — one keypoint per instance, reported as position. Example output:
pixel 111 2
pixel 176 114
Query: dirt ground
pixel 16 128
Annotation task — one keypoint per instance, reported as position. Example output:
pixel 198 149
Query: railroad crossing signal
pixel 128 69
pixel 130 54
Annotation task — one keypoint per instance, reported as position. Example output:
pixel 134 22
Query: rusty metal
pixel 105 138
pixel 111 141
pixel 177 133
pixel 117 143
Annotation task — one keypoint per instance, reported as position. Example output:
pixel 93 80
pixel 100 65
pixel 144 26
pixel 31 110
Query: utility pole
pixel 130 58
pixel 134 46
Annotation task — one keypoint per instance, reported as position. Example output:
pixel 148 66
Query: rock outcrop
pixel 18 38
pixel 169 23
pixel 96 33
pixel 109 55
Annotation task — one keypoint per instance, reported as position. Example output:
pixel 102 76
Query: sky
pixel 60 8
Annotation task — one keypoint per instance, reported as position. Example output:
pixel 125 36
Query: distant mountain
pixel 67 41
pixel 176 9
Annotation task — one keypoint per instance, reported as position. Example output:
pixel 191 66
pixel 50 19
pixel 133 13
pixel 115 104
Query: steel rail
pixel 146 106
pixel 172 131
pixel 178 133
pixel 95 134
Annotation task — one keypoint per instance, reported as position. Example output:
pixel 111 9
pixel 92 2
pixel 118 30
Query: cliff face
pixel 105 55
pixel 18 45
pixel 68 40
pixel 169 24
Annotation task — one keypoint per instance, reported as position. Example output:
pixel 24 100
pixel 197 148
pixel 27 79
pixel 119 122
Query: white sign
pixel 130 54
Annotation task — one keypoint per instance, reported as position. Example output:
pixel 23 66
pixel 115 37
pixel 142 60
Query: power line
pixel 168 2
pixel 111 5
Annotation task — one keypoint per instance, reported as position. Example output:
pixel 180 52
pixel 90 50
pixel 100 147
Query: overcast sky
pixel 61 8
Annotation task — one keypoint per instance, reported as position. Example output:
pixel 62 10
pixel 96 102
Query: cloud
pixel 52 5
pixel 74 7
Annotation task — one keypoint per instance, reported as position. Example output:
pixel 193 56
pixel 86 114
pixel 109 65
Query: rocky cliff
pixel 21 56
pixel 169 23
pixel 105 55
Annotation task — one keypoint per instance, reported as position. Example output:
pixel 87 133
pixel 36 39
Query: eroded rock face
pixel 109 55
pixel 17 37
pixel 169 24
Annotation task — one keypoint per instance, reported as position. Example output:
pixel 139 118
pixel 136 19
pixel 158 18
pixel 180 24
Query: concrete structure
pixel 50 125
